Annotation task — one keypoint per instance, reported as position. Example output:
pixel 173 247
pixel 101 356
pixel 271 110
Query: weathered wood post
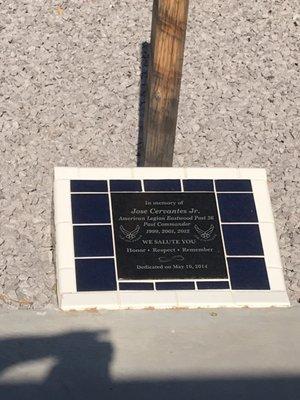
pixel 169 20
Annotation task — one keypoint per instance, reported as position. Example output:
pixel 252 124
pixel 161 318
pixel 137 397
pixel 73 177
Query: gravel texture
pixel 70 87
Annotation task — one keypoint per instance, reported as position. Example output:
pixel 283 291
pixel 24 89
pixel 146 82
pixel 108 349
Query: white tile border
pixel 105 173
pixel 90 300
pixel 173 299
pixel 65 173
pixel 64 246
pixel 62 201
pixel 159 173
pixel 205 298
pixel 66 280
pixel 65 262
pixel 270 245
pixel 276 279
pixel 212 173
pixel 262 201
pixel 260 298
pixel 252 173
pixel 147 298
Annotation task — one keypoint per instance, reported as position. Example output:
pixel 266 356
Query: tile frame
pixel 70 299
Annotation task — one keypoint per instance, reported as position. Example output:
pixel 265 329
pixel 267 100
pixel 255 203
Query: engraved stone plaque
pixel 167 236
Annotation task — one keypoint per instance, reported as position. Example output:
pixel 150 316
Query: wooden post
pixel 169 20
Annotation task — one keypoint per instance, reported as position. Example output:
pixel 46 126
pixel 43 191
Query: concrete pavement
pixel 198 354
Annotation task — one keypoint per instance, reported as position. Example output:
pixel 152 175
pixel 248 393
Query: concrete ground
pixel 199 354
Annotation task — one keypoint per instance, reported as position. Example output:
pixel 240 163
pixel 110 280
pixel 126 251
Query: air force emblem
pixel 130 236
pixel 205 235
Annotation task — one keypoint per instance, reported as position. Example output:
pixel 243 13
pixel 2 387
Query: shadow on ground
pixel 80 369
pixel 144 66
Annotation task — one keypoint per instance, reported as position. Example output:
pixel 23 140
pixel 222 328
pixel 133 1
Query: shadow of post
pixel 144 64
pixel 80 362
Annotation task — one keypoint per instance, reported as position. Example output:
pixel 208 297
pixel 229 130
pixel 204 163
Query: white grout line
pixel 221 230
pixel 94 258
pixel 160 191
pixel 234 192
pixel 222 223
pixel 126 191
pixel 156 191
pixel 142 184
pixel 199 191
pixel 245 256
pixel 171 280
pixel 136 281
pixel 113 233
pixel 212 280
pixel 89 193
pixel 93 224
pixel 240 223
pixel 181 185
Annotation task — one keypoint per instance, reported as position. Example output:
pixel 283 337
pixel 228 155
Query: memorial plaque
pixel 167 236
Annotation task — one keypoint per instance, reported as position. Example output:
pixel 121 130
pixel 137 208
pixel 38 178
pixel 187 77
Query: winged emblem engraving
pixel 204 234
pixel 130 235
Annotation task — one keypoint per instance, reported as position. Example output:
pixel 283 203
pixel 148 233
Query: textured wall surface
pixel 70 76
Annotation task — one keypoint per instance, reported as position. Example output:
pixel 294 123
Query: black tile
pixel 162 185
pixel 198 185
pixel 93 241
pixel 90 208
pixel 175 286
pixel 242 240
pixel 233 185
pixel 213 285
pixel 88 186
pixel 95 274
pixel 248 274
pixel 237 207
pixel 125 186
pixel 136 286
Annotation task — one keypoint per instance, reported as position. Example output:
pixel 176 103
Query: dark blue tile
pixel 136 286
pixel 237 207
pixel 90 208
pixel 88 186
pixel 198 185
pixel 213 285
pixel 95 274
pixel 162 185
pixel 248 273
pixel 175 286
pixel 242 240
pixel 233 185
pixel 93 241
pixel 125 186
